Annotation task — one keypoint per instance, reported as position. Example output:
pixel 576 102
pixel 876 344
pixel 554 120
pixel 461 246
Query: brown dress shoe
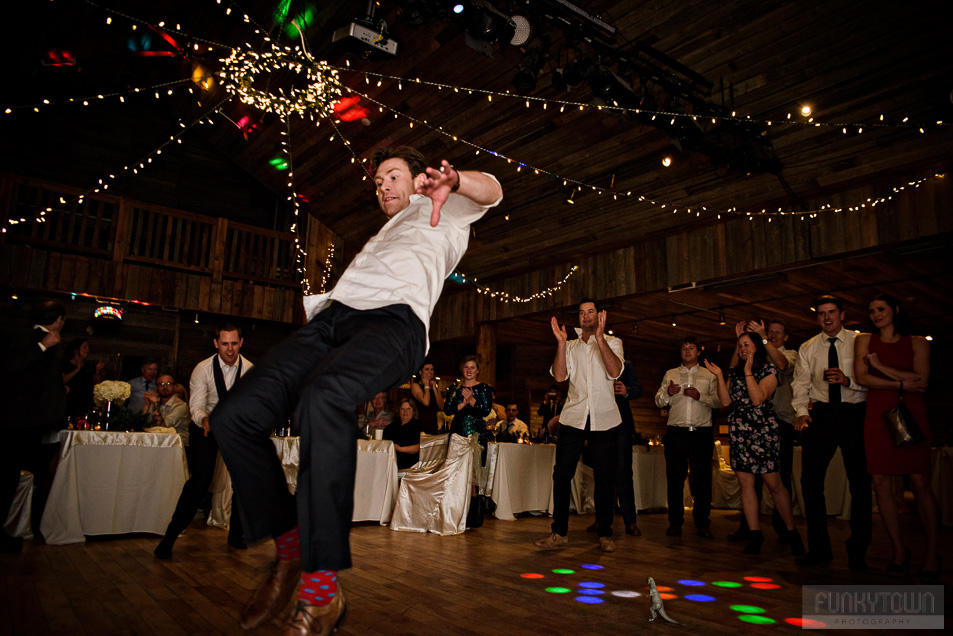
pixel 310 619
pixel 633 529
pixel 272 595
pixel 606 544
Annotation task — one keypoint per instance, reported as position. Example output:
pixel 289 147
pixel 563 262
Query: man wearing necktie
pixel 139 386
pixel 830 408
pixel 211 379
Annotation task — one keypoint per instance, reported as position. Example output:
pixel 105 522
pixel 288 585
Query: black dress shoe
pixel 740 535
pixel 705 533
pixel 633 530
pixel 163 550
pixel 900 569
pixel 812 558
pixel 673 531
pixel 237 544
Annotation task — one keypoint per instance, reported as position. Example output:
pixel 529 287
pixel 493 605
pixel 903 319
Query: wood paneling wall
pixel 716 250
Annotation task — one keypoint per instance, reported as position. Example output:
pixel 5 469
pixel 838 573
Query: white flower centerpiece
pixel 107 393
pixel 111 391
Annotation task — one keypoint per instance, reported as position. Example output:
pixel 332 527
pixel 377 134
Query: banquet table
pixel 519 477
pixel 375 480
pixel 113 483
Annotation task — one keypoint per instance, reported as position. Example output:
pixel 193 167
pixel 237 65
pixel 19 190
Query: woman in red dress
pixel 891 362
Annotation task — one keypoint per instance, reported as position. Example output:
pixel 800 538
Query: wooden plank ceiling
pixel 852 63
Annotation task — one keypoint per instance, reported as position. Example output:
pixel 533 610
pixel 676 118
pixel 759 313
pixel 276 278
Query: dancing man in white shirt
pixel 366 335
pixel 690 392
pixel 591 363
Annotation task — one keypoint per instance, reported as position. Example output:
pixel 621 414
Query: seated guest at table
pixel 34 403
pixel 405 433
pixel 470 402
pixel 211 379
pixel 139 386
pixel 166 407
pixel 80 376
pixel 689 392
pixel 377 416
pixel 512 428
pixel 427 398
pixel 755 442
pixel 891 363
pixel 550 409
pixel 181 392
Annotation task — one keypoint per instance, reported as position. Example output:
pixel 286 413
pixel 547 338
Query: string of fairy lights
pixel 323 87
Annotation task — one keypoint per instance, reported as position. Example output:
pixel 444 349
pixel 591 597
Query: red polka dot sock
pixel 288 545
pixel 318 588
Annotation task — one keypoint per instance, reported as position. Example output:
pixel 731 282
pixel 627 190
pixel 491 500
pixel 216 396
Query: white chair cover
pixel 17 523
pixel 433 447
pixel 435 495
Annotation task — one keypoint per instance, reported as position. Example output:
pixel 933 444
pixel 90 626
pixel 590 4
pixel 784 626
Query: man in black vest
pixel 211 378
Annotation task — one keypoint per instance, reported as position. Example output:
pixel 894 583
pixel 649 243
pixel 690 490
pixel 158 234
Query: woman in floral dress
pixel 755 443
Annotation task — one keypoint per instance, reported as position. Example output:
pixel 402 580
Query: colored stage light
pixel 531 575
pixel 726 584
pixel 591 566
pixel 664 588
pixel 757 620
pixel 592 592
pixel 667 597
pixel 691 582
pixel 701 598
pixel 626 593
pixel 558 590
pixel 748 609
pixel 805 623
pixel 592 584
pixel 563 571
pixel 758 579
pixel 592 600
pixel 766 586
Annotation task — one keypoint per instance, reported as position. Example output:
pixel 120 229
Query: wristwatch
pixel 764 341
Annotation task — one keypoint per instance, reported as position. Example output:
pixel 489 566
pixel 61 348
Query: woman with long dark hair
pixel 755 442
pixel 891 362
pixel 80 376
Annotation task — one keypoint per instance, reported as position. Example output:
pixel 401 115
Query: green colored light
pixel 726 584
pixel 563 571
pixel 748 609
pixel 558 590
pixel 757 620
pixel 304 18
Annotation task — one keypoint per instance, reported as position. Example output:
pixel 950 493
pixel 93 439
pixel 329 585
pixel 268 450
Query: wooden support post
pixel 486 352
pixel 218 249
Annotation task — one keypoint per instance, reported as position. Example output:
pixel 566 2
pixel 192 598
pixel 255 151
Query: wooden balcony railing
pixel 132 231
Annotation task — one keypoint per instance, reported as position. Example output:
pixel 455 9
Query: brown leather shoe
pixel 310 619
pixel 606 544
pixel 633 530
pixel 272 595
pixel 551 541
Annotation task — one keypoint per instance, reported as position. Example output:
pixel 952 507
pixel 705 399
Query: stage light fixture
pixel 525 79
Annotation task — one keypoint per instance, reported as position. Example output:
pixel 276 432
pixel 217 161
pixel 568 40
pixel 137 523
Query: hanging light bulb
pixel 674 323
pixel 721 318
pixel 571 195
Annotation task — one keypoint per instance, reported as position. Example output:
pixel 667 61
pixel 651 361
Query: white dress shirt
pixel 203 394
pixel 809 384
pixel 783 394
pixel 591 393
pixel 407 261
pixel 684 411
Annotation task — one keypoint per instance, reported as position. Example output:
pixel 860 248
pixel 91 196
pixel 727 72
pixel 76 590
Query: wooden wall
pixel 716 250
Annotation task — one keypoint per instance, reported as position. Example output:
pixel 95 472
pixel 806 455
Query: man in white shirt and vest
pixel 591 363
pixel 830 407
pixel 368 334
pixel 690 392
pixel 211 379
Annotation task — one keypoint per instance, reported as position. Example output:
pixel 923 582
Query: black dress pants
pixel 684 450
pixel 832 426
pixel 604 457
pixel 202 455
pixel 625 490
pixel 335 362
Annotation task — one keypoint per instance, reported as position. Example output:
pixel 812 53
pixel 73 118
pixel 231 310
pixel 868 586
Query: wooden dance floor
pixel 408 583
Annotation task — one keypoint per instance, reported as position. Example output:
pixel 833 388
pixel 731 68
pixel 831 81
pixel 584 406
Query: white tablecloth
pixel 113 483
pixel 519 477
pixel 375 481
